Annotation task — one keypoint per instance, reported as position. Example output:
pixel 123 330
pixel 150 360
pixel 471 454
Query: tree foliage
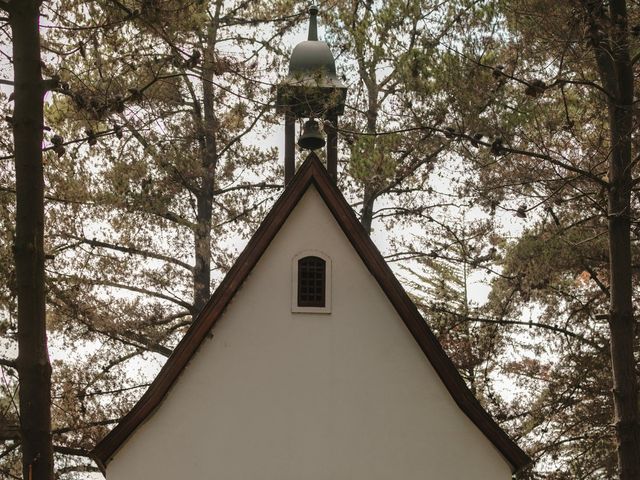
pixel 483 141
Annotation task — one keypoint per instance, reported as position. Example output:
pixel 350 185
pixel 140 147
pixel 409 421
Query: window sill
pixel 296 309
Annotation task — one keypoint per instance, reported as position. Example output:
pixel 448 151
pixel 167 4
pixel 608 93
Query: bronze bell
pixel 311 138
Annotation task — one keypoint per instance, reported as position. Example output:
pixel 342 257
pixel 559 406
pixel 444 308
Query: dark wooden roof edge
pixel 311 172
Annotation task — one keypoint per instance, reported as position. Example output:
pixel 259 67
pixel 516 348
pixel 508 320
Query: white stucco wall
pixel 276 395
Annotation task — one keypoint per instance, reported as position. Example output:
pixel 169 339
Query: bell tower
pixel 311 90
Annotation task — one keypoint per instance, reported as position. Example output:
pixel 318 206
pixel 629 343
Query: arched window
pixel 311 282
pixel 312 273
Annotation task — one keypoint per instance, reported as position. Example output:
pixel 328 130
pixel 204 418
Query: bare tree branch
pixel 77 452
pixel 132 250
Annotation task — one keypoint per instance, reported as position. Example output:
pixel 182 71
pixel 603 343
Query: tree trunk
pixel 366 214
pixel 621 318
pixel 202 272
pixel 370 188
pixel 622 326
pixel 34 368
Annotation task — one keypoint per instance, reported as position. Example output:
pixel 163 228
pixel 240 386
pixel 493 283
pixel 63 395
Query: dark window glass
pixel 311 280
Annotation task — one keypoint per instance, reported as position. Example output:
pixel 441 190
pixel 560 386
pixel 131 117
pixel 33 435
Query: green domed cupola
pixel 312 56
pixel 313 90
pixel 312 87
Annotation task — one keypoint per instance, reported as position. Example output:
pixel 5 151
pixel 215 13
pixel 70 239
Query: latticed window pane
pixel 311 280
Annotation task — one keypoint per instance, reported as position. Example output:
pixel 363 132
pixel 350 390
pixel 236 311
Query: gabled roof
pixel 312 172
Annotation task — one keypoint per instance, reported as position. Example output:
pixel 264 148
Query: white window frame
pixel 327 283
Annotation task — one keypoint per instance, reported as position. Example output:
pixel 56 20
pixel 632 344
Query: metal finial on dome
pixel 313 23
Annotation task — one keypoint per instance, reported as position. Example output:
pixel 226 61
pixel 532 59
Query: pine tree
pixel 530 120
